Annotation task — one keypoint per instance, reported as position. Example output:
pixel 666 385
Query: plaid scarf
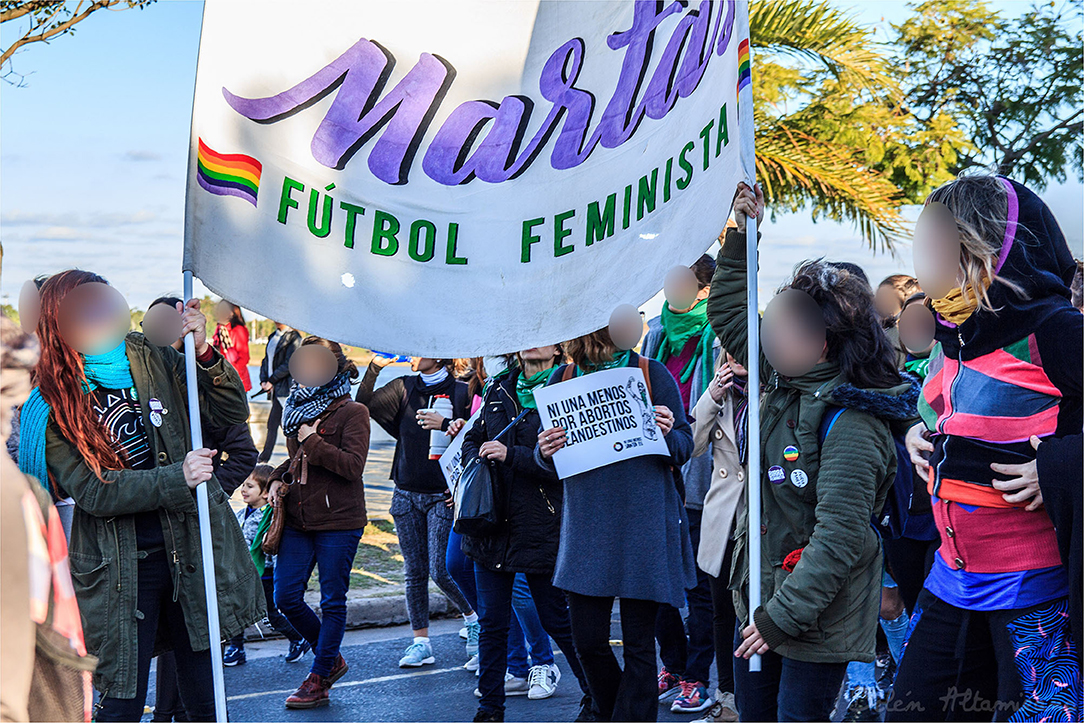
pixel 222 339
pixel 307 403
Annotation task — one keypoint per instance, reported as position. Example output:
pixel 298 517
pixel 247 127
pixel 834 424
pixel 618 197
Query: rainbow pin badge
pixel 790 453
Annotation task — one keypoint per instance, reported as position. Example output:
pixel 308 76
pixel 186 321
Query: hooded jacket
pixel 994 380
pixel 529 496
pixel 821 559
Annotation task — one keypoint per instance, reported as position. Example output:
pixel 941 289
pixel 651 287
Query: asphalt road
pixel 376 689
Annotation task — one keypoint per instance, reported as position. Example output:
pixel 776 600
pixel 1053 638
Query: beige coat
pixel 713 424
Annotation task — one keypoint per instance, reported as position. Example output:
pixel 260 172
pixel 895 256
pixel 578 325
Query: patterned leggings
pixel 1008 665
pixel 423 522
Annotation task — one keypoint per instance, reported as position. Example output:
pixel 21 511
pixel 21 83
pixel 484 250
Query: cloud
pixel 96 219
pixel 56 233
pixel 142 156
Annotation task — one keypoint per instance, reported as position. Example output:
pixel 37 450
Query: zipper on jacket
pixel 176 561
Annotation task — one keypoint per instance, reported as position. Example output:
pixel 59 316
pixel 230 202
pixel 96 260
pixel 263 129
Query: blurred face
pixel 313 365
pixel 937 250
pixel 223 312
pixel 94 318
pixel 887 302
pixel 162 326
pixel 793 333
pixel 251 494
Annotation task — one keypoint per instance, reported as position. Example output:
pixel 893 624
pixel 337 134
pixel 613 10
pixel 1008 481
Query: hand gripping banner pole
pixel 753 436
pixel 210 587
pixel 748 159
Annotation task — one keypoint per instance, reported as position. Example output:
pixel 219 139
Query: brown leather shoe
pixel 337 671
pixel 313 693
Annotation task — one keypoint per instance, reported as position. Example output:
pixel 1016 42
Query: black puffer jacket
pixel 528 496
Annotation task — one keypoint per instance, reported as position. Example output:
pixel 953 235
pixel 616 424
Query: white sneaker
pixel 417 655
pixel 471 664
pixel 463 633
pixel 512 686
pixel 543 680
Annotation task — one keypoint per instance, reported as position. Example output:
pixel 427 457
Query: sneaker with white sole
pixel 472 664
pixel 543 680
pixel 473 631
pixel 416 655
pixel 693 698
pixel 512 686
pixel 668 685
pixel 463 633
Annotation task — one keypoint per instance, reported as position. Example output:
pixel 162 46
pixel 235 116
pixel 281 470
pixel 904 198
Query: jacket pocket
pixel 91 578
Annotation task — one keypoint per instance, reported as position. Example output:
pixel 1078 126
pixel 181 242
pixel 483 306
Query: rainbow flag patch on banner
pixel 744 76
pixel 228 174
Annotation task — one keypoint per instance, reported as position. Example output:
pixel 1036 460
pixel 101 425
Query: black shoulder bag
pixel 474 497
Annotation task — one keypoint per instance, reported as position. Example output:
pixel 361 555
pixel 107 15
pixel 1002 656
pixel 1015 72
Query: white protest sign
pixel 387 174
pixel 608 417
pixel 451 462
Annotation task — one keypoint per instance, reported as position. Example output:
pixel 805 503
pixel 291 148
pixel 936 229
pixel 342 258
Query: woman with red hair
pixel 107 425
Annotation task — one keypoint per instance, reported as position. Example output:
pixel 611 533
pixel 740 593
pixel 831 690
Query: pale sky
pixel 93 158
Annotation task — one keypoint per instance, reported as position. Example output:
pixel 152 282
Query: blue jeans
pixel 785 689
pixel 495 592
pixel 299 553
pixel 525 623
pixel 526 614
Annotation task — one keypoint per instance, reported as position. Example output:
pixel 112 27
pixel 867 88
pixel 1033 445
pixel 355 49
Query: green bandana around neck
pixel 678 330
pixel 621 360
pixel 526 385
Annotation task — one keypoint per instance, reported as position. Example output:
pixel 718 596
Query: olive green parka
pixel 103 555
pixel 816 503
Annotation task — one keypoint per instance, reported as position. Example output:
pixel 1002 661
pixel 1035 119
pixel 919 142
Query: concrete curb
pixel 383 608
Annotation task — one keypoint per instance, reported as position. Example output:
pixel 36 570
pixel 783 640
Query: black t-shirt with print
pixel 118 410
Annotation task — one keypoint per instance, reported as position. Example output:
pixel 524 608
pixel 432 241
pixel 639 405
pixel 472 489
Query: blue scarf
pixel 110 371
pixel 307 403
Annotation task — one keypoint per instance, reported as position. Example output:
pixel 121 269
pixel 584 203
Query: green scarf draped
pixel 621 360
pixel 259 559
pixel 678 330
pixel 526 385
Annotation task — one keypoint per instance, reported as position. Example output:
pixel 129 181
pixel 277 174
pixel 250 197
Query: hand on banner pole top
pixel 193 320
pixel 747 204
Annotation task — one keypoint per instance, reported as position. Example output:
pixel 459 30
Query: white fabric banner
pixel 607 415
pixel 459 178
pixel 451 462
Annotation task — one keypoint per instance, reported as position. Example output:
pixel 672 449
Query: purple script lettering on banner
pixel 456 155
pixel 355 116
